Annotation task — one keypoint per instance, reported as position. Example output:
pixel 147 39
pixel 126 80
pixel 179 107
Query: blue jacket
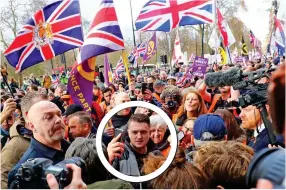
pixel 39 150
pixel 262 141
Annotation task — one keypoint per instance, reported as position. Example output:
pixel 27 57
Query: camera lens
pixel 27 175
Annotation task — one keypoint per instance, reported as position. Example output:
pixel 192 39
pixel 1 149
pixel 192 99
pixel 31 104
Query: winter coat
pixel 13 151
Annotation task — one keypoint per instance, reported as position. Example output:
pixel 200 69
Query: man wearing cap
pixel 171 80
pixel 209 127
pixel 158 89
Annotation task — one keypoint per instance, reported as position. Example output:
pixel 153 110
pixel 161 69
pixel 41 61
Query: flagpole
pixel 169 50
pixel 215 23
pixel 229 54
pixel 203 40
pixel 133 32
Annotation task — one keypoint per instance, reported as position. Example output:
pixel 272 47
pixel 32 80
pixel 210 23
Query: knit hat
pixel 210 123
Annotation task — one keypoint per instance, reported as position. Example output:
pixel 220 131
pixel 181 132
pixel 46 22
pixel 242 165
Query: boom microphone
pixel 226 78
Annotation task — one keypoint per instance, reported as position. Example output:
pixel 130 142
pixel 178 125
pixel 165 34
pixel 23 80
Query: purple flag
pixel 81 82
pixel 151 48
pixel 200 66
pixel 107 72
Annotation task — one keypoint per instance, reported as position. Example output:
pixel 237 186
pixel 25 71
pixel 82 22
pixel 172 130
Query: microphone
pixel 226 78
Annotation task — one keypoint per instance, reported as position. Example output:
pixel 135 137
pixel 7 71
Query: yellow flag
pixel 222 53
pixel 125 62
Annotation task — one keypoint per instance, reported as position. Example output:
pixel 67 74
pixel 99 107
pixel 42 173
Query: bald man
pixel 45 121
pixel 121 118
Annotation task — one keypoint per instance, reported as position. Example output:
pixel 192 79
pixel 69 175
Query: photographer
pixel 20 136
pixel 45 120
pixel 171 100
pixel 276 90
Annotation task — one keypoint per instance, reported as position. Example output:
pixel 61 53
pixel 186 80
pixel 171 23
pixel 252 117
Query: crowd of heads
pixel 217 140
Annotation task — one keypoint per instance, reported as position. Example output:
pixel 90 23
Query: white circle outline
pixel 166 164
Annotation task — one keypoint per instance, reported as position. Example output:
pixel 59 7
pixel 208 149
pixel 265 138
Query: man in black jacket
pixel 128 157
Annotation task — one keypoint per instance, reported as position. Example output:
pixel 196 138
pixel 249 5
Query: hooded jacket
pixel 14 150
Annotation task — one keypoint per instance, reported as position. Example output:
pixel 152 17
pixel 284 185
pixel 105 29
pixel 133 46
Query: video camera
pixel 256 93
pixel 32 174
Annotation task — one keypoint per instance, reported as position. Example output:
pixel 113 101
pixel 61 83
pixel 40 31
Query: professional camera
pixel 267 164
pixel 172 104
pixel 32 174
pixel 256 93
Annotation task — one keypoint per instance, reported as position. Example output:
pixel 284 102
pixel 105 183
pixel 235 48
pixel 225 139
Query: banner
pixel 200 66
pixel 151 48
pixel 81 83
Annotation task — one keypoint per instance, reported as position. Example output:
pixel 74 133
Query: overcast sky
pixel 256 18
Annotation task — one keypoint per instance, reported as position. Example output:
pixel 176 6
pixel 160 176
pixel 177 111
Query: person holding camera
pixel 45 120
pixel 19 135
pixel 252 120
pixel 171 100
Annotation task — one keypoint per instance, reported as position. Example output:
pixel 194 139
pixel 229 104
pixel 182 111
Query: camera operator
pixel 20 136
pixel 269 178
pixel 171 100
pixel 218 100
pixel 45 120
pixel 252 120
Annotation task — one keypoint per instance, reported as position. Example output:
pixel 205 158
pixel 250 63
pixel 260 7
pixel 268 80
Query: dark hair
pixel 86 149
pixel 153 77
pixel 52 89
pixel 234 132
pixel 112 86
pixel 34 87
pixel 139 118
pixel 179 175
pixel 83 117
pixel 106 90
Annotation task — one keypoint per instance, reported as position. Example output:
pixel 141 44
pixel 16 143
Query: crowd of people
pixel 217 141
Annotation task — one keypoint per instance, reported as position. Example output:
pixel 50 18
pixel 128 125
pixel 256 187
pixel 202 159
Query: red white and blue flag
pixel 104 35
pixel 164 15
pixel 138 51
pixel 279 37
pixel 52 30
pixel 254 41
pixel 119 68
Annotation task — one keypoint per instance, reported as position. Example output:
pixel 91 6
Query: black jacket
pixel 119 121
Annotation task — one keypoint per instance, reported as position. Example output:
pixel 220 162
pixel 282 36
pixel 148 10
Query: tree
pixel 12 17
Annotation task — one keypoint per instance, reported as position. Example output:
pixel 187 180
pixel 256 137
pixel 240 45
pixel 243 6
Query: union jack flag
pixel 52 30
pixel 164 15
pixel 55 81
pixel 119 68
pixel 138 51
pixel 254 41
pixel 104 35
